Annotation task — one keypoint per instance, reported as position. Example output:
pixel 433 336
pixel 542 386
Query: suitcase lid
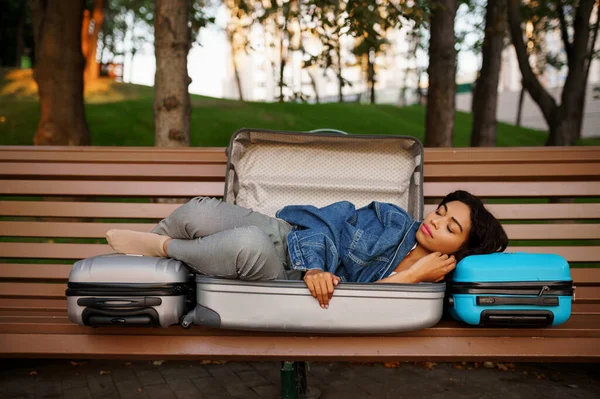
pixel 118 268
pixel 267 170
pixel 511 266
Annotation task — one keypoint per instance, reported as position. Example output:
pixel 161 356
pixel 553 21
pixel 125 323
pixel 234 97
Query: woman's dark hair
pixel 486 235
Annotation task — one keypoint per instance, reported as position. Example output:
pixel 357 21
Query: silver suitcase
pixel 127 290
pixel 268 170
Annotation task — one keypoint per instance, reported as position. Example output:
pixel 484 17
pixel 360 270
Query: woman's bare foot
pixel 137 243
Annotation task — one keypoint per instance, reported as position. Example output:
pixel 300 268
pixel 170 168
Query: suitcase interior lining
pixel 269 170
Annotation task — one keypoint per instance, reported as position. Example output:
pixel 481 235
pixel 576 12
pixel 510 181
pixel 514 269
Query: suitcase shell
pixel 288 306
pixel 127 290
pixel 268 170
pixel 511 290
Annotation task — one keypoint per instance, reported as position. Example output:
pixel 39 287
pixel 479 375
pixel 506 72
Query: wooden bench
pixel 56 204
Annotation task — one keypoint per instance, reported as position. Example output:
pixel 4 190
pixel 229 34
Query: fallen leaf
pixel 127 364
pixel 33 373
pixel 213 362
pixel 139 389
pixel 488 365
pixel 104 372
pixel 428 365
pixel 573 386
pixel 158 362
pixel 458 366
pixel 77 363
pixel 502 367
pixel 391 365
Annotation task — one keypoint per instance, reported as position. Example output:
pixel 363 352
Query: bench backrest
pixel 56 203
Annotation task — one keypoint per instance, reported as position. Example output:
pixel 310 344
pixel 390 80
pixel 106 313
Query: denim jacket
pixel 357 245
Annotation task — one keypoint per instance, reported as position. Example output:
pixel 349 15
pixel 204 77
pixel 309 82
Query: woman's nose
pixel 435 222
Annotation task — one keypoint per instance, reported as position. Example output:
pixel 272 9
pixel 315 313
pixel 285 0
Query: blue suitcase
pixel 511 290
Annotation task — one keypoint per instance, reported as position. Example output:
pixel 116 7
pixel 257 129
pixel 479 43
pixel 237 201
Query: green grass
pixel 122 115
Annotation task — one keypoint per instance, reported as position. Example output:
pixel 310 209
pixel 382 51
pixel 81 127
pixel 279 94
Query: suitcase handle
pixel 326 130
pixel 516 318
pixel 95 317
pixel 516 300
pixel 139 320
pixel 112 303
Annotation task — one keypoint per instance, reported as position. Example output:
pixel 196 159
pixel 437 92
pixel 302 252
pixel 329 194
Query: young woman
pixel 376 243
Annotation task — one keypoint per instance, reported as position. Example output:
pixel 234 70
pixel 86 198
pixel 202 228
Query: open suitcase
pixel 127 290
pixel 511 290
pixel 267 170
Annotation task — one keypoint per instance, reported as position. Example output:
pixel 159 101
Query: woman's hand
pixel 321 285
pixel 432 267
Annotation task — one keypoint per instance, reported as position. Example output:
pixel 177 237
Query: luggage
pixel 267 170
pixel 288 306
pixel 127 290
pixel 511 290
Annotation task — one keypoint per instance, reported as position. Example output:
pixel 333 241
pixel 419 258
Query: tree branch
pixel 545 101
pixel 564 29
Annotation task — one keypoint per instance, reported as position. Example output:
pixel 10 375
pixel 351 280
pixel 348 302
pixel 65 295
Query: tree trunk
pixel 520 106
pixel 238 80
pixel 59 72
pixel 313 83
pixel 371 76
pixel 236 71
pixel 90 30
pixel 172 108
pixel 564 122
pixel 338 52
pixel 442 70
pixel 485 95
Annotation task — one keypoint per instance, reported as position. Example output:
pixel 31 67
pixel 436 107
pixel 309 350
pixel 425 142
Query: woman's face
pixel 446 229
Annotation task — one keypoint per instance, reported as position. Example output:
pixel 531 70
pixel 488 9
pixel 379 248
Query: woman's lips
pixel 426 230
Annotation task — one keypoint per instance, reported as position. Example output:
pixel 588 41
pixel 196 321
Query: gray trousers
pixel 219 239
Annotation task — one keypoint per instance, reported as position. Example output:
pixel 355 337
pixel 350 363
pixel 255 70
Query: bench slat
pixel 91 209
pixel 193 154
pixel 60 304
pixel 159 211
pixel 67 229
pixel 52 251
pixel 113 188
pixel 98 230
pixel 57 290
pixel 521 155
pixel 56 322
pixel 192 189
pixel 35 271
pixel 570 171
pixel 300 348
pixel 121 170
pixel 587 276
pixel 515 189
pixel 539 211
pixel 80 251
pixel 74 154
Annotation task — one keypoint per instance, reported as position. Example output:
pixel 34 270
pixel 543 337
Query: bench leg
pixel 293 382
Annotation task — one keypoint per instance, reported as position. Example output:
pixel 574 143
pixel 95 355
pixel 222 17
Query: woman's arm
pixel 430 268
pixel 405 276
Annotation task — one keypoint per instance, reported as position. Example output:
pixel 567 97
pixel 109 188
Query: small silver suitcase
pixel 127 290
pixel 268 170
